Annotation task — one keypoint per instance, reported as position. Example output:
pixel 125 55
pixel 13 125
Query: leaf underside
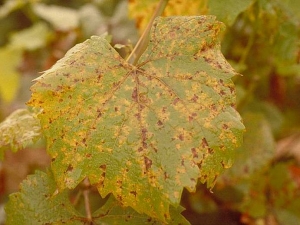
pixel 142 132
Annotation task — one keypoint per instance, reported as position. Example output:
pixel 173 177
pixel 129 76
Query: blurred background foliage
pixel 261 42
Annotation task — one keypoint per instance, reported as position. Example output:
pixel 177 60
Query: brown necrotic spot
pixel 66 74
pixel 175 101
pixel 194 152
pixel 207 59
pixel 99 113
pixel 166 176
pixel 159 123
pixel 204 143
pixel 138 116
pixel 166 216
pixel 45 85
pixel 119 183
pixel 192 116
pixel 181 137
pixel 144 133
pixel 134 95
pixel 128 218
pixel 225 126
pixel 133 193
pixel 194 98
pixel 144 137
pixel 120 198
pixel 148 163
pixel 223 164
pixel 59 88
pixel 222 92
pixel 115 84
pixel 213 107
pixel 102 177
pixel 70 168
pixel 153 147
pixel 182 162
pixel 103 167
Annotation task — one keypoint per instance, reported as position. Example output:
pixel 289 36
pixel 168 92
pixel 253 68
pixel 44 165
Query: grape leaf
pixel 9 76
pixel 113 213
pixel 256 153
pixel 19 129
pixel 141 11
pixel 12 5
pixel 285 192
pixel 142 132
pixel 36 204
pixel 274 192
pixel 31 38
pixel 62 18
pixel 227 11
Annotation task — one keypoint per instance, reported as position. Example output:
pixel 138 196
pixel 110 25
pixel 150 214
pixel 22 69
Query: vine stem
pixel 143 41
pixel 86 199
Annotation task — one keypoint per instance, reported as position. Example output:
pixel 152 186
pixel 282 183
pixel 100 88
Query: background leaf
pixel 12 5
pixel 113 213
pixel 19 129
pixel 37 204
pixel 9 76
pixel 141 131
pixel 61 18
pixel 32 38
pixel 141 11
pixel 257 151
pixel 227 11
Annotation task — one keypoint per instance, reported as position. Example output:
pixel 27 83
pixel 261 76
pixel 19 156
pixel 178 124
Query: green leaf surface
pixel 20 129
pixel 274 192
pixel 285 192
pixel 9 76
pixel 113 213
pixel 36 203
pixel 228 10
pixel 142 132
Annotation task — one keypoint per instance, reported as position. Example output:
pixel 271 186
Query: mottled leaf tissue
pixel 143 132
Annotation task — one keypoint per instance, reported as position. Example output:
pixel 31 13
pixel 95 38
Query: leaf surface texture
pixel 142 132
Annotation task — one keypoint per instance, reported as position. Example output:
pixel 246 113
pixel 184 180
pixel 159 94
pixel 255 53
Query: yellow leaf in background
pixel 9 76
pixel 142 11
